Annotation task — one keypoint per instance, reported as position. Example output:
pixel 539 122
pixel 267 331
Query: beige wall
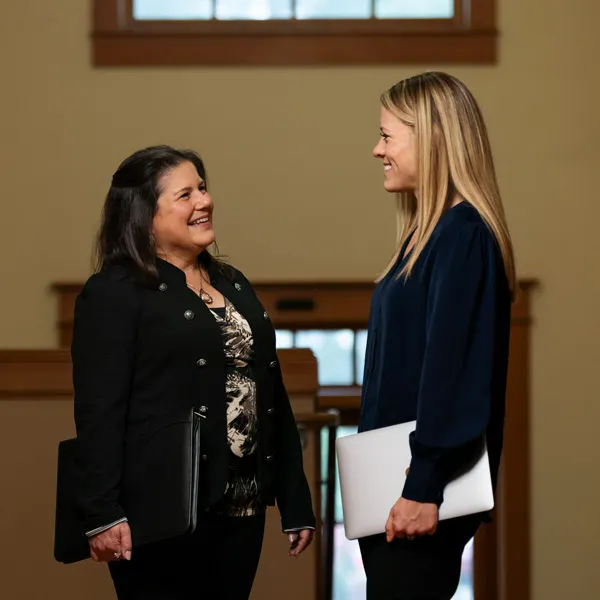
pixel 298 196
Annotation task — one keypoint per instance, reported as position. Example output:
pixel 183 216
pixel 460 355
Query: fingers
pixel 112 544
pixel 299 548
pixel 433 529
pixel 104 553
pixel 293 539
pixel 306 538
pixel 126 544
pixel 410 520
pixel 308 535
pixel 390 531
pixel 398 528
pixel 300 542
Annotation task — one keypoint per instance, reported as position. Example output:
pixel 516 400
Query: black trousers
pixel 426 568
pixel 218 562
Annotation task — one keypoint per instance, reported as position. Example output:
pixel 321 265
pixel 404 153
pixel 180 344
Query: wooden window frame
pixel 118 40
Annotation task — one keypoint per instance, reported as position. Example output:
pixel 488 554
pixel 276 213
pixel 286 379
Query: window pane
pixel 361 348
pixel 333 350
pixel 284 338
pixel 333 9
pixel 409 9
pixel 173 9
pixel 282 9
pixel 254 9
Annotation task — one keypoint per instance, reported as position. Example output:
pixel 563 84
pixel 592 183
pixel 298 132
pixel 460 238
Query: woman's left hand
pixel 411 519
pixel 299 541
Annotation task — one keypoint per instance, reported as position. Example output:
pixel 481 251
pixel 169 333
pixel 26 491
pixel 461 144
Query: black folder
pixel 159 487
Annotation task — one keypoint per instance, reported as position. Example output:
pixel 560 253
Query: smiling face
pixel 182 225
pixel 397 149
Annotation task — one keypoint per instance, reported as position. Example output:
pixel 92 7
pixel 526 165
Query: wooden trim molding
pixel 35 373
pixel 47 373
pixel 118 40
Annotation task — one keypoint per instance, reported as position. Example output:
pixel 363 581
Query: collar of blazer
pixel 229 283
pixel 169 273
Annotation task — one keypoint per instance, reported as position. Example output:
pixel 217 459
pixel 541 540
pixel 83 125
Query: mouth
pixel 387 167
pixel 198 222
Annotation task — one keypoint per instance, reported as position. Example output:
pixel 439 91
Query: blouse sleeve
pixel 102 352
pixel 455 390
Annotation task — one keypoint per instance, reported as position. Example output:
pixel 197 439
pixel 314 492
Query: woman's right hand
pixel 111 544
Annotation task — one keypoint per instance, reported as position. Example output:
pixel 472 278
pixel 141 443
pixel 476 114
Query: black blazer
pixel 140 352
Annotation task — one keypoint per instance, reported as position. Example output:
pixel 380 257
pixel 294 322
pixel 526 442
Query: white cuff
pixel 297 529
pixel 98 530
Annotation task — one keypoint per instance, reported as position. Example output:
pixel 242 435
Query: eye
pixel 184 196
pixel 202 188
pixel 384 136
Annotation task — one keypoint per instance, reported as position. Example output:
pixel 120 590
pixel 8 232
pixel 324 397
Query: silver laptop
pixel 372 470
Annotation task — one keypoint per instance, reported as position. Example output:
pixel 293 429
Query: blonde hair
pixel 453 157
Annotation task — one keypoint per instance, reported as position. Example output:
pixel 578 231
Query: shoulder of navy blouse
pixel 437 352
pixel 140 352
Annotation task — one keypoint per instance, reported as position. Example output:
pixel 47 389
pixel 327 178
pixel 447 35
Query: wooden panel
pixel 33 373
pixel 339 398
pixel 325 306
pixel 307 50
pixel 482 15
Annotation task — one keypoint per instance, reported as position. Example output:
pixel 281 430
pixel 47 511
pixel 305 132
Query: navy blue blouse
pixel 437 352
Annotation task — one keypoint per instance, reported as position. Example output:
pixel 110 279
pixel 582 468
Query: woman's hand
pixel 300 541
pixel 410 519
pixel 112 544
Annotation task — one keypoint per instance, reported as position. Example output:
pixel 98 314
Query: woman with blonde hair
pixel 437 349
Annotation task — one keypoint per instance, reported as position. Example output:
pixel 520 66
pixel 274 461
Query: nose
pixel 203 201
pixel 378 151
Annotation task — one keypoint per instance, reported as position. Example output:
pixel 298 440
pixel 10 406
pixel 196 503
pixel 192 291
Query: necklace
pixel 205 296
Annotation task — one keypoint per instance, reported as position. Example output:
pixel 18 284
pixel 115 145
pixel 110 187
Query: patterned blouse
pixel 241 497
